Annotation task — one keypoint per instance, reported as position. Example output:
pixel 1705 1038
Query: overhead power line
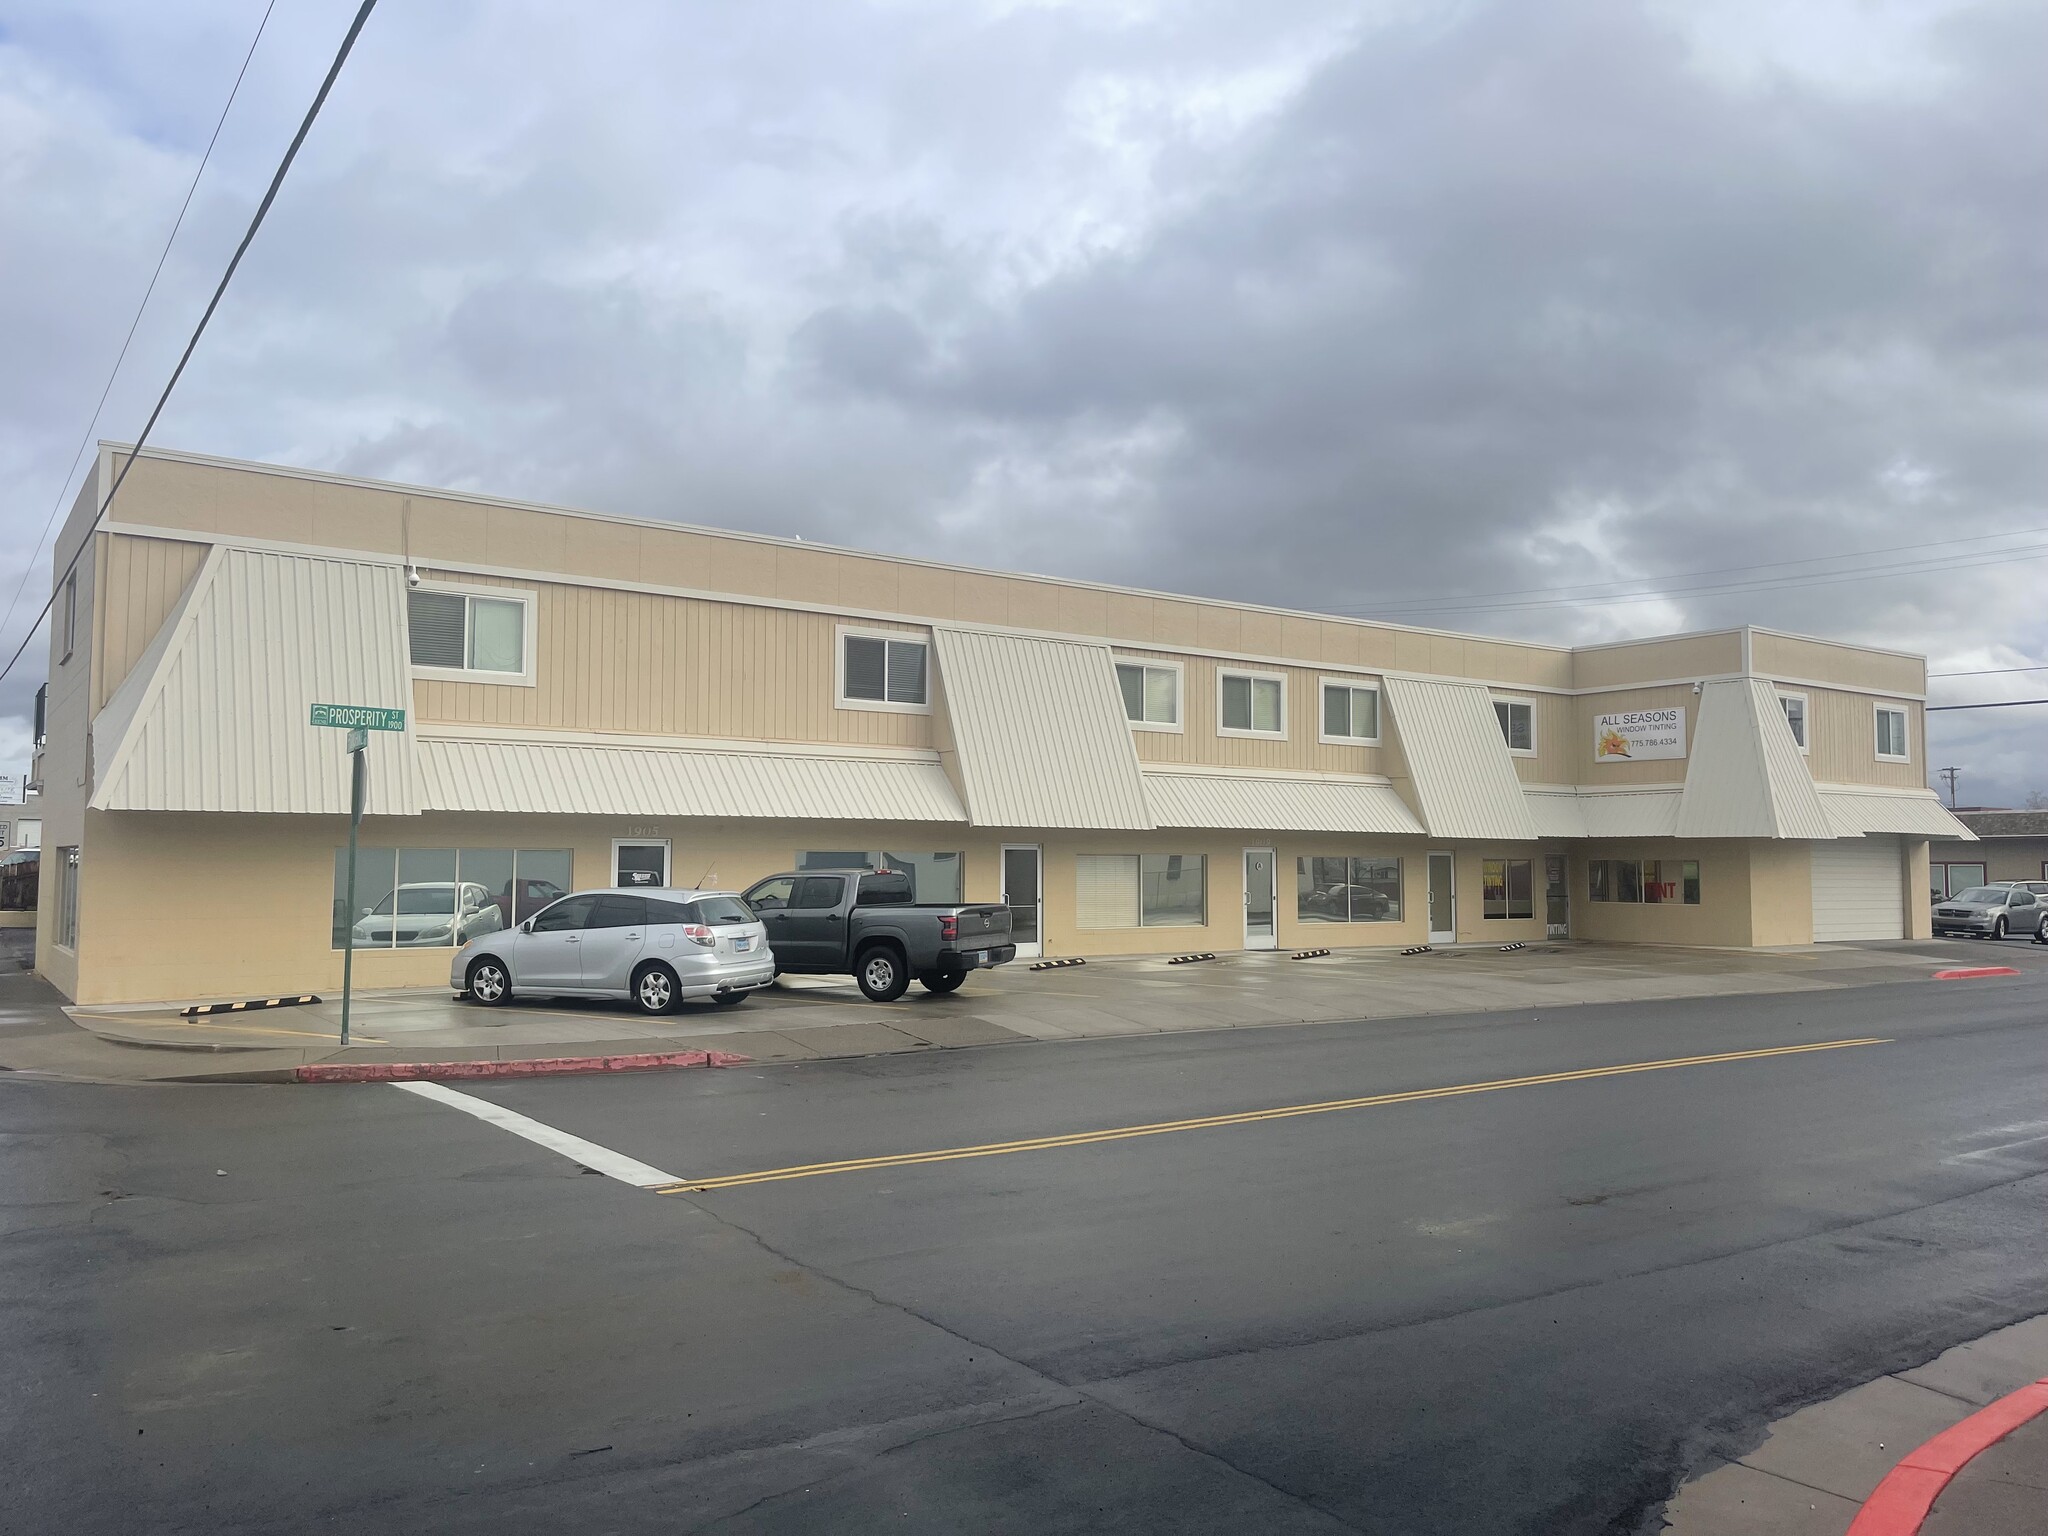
pixel 128 340
pixel 1999 704
pixel 1986 672
pixel 333 70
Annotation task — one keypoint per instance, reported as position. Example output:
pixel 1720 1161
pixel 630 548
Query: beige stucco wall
pixel 1828 661
pixel 1919 910
pixel 1781 893
pixel 2003 858
pixel 64 766
pixel 1686 657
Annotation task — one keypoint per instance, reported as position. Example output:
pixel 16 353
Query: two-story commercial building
pixel 593 700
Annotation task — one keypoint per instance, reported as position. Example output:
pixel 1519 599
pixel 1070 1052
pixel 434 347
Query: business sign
pixel 358 717
pixel 1637 735
pixel 10 789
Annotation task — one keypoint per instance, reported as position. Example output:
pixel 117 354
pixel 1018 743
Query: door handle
pixel 831 917
pixel 632 935
pixel 574 938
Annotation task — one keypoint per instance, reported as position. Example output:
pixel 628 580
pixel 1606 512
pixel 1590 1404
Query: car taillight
pixel 949 928
pixel 697 933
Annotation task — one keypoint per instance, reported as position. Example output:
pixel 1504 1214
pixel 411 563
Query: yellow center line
pixel 1244 1117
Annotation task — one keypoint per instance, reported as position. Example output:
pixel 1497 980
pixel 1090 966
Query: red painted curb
pixel 1963 973
pixel 540 1066
pixel 1900 1503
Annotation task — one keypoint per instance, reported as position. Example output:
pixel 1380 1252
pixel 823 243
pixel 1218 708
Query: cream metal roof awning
pixel 581 776
pixel 1747 777
pixel 215 714
pixel 1040 731
pixel 1649 811
pixel 1463 776
pixel 1276 803
pixel 1857 810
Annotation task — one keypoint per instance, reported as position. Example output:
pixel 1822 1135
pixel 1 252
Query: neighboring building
pixel 2009 845
pixel 596 699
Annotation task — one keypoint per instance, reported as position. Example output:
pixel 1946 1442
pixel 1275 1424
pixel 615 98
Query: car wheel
pixel 1998 928
pixel 881 975
pixel 489 982
pixel 943 981
pixel 654 989
pixel 728 999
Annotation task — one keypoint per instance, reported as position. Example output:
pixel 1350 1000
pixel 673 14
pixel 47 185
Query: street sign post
pixel 358 720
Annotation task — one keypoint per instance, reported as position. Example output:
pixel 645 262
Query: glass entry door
pixel 1443 900
pixel 1258 898
pixel 1024 895
pixel 639 863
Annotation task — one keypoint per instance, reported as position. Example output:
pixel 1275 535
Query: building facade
pixel 592 700
pixel 2005 845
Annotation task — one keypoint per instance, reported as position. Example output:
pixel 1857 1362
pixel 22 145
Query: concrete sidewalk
pixel 806 1018
pixel 1815 1468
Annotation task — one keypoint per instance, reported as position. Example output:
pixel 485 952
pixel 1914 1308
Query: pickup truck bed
pixel 868 926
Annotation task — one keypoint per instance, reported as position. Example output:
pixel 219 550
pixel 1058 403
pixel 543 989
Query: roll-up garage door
pixel 1858 889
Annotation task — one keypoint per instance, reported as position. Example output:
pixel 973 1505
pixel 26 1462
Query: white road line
pixel 612 1164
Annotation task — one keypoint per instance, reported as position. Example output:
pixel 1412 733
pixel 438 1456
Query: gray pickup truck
pixel 870 926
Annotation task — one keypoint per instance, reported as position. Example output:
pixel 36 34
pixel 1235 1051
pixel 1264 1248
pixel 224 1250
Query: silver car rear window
pixel 707 911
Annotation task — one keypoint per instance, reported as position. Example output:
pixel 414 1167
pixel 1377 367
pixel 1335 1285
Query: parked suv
pixel 651 947
pixel 1990 912
pixel 871 927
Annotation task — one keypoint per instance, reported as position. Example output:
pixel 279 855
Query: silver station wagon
pixel 650 947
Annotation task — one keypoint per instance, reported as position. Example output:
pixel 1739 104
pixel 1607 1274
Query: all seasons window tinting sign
pixel 1638 735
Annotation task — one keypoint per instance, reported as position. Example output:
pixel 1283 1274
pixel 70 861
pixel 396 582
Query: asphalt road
pixel 1532 1308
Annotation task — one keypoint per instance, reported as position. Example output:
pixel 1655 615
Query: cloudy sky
pixel 1575 320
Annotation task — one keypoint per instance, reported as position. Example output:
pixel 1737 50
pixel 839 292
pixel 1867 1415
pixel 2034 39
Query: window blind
pixel 1106 890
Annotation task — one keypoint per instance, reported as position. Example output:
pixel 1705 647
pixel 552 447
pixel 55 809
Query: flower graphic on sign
pixel 1613 743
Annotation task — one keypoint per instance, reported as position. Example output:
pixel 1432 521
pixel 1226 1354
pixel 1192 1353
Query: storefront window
pixel 935 878
pixel 1655 882
pixel 1507 888
pixel 436 898
pixel 1171 890
pixel 1342 890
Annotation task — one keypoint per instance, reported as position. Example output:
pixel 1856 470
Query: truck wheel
pixel 942 981
pixel 654 989
pixel 881 975
pixel 489 982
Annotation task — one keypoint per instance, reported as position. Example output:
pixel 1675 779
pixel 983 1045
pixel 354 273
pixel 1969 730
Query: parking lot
pixel 814 1017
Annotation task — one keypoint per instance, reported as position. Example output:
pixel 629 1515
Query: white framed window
pixel 471 634
pixel 1517 725
pixel 1150 890
pixel 1893 744
pixel 1151 691
pixel 1251 704
pixel 70 617
pixel 884 669
pixel 1794 705
pixel 1350 713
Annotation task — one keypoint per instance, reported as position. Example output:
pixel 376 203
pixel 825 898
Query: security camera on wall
pixel 412 575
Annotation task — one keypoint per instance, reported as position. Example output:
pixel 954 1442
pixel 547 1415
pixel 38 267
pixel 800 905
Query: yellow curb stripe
pixel 1244 1117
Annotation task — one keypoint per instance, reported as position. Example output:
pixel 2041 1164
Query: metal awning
pixel 1583 812
pixel 1464 778
pixel 1040 731
pixel 1277 804
pixel 1746 777
pixel 585 778
pixel 215 714
pixel 1857 811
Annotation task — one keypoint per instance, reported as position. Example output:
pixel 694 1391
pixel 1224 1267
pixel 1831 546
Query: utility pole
pixel 1950 775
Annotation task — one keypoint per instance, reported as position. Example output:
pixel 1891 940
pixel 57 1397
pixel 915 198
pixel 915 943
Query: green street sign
pixel 358 717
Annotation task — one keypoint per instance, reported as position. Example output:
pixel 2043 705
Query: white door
pixel 1024 895
pixel 1858 890
pixel 1443 900
pixel 1259 931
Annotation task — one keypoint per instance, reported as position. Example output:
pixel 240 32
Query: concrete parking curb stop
pixel 1900 1504
pixel 545 1066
